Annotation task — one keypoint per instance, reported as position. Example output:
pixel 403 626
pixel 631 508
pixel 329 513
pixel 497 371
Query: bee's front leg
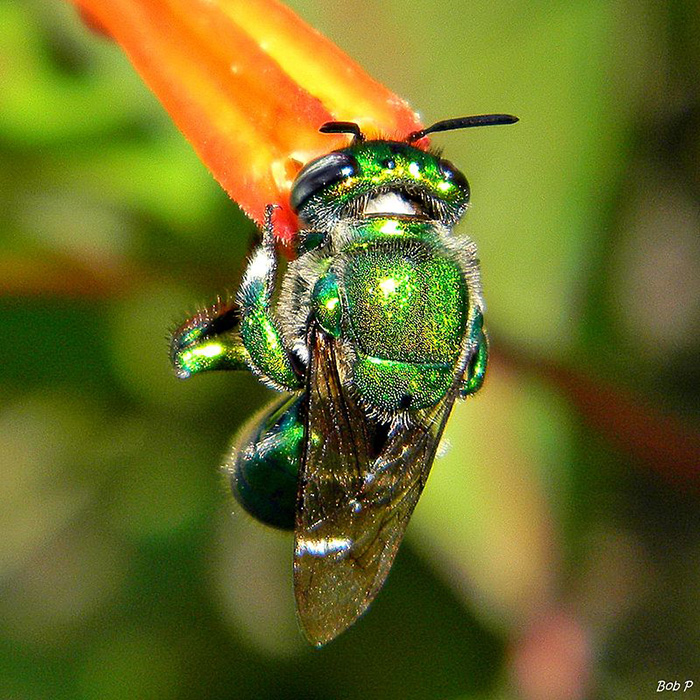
pixel 268 355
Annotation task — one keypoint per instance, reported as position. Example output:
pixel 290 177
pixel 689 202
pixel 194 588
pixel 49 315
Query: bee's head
pixel 380 178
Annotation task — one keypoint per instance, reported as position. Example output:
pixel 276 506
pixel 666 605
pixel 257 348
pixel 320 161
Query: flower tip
pixel 93 23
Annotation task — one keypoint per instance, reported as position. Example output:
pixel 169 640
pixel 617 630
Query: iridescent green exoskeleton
pixel 377 330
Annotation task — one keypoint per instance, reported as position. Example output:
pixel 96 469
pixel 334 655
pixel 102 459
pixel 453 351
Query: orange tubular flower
pixel 249 84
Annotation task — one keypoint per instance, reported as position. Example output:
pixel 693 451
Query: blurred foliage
pixel 544 561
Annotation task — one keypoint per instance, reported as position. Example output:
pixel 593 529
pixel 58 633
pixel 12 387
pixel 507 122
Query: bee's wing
pixel 353 505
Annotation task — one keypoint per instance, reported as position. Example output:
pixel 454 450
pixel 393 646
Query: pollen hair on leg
pixel 259 267
pixel 258 278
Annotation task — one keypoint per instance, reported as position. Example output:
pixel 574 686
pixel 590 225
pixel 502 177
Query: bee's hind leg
pixel 263 464
pixel 209 340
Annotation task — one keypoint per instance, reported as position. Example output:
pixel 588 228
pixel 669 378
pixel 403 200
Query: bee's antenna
pixel 463 123
pixel 343 128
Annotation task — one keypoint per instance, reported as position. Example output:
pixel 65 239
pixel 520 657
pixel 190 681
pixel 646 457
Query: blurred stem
pixel 656 439
pixel 54 276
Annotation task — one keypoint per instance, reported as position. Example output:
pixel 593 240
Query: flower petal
pixel 249 84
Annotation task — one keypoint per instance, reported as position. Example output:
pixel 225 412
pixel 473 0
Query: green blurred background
pixel 556 551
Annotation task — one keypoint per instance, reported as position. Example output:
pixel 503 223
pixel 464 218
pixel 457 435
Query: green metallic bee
pixel 377 330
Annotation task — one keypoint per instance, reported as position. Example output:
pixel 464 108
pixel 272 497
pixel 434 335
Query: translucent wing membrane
pixel 358 488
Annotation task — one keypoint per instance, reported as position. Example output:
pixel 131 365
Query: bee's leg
pixel 210 340
pixel 268 355
pixel 263 464
pixel 476 369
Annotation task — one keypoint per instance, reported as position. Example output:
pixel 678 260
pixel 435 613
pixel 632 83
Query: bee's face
pixel 376 178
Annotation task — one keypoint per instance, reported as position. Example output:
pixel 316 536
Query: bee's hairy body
pixel 376 331
pixel 398 303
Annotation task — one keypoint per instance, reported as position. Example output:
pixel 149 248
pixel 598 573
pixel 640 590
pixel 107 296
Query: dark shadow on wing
pixel 354 504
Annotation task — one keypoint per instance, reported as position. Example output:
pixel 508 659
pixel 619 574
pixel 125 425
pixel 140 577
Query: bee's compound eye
pixel 451 174
pixel 321 173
